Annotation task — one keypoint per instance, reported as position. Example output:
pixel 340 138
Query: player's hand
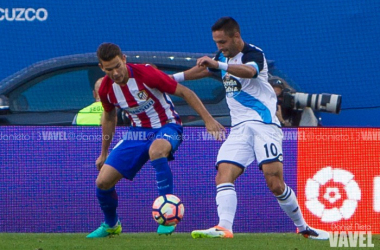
pixel 207 62
pixel 100 161
pixel 216 129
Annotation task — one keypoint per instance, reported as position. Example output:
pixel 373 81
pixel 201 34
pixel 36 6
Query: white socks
pixel 226 200
pixel 288 203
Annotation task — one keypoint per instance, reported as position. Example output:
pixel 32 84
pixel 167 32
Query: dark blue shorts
pixel 130 154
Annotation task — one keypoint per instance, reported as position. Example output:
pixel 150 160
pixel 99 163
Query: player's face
pixel 228 45
pixel 116 69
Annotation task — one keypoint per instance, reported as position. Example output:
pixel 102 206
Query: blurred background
pixel 320 46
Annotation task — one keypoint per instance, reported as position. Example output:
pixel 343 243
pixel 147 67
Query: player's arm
pixel 212 126
pixel 242 70
pixel 108 130
pixel 165 84
pixel 239 70
pixel 194 73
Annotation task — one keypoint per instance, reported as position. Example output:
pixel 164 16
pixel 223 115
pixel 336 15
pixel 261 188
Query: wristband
pixel 223 66
pixel 179 77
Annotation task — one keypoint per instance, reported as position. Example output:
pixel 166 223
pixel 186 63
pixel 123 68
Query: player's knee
pixel 157 153
pixel 277 190
pixel 227 173
pixel 160 148
pixel 102 184
pixel 276 186
pixel 224 177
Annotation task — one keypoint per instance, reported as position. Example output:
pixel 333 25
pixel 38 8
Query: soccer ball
pixel 168 210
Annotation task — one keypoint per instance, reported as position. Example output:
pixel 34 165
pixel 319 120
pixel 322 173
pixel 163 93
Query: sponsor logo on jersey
pixel 232 85
pixel 142 107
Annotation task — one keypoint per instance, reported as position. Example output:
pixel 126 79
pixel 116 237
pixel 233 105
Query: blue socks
pixel 164 176
pixel 108 201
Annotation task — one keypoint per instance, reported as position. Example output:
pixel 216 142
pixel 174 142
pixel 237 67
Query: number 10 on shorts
pixel 270 150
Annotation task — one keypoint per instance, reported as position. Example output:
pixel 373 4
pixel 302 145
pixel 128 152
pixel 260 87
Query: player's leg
pixel 226 198
pixel 287 200
pixel 108 201
pixel 268 149
pixel 273 173
pixel 235 153
pixel 158 154
pixel 226 201
pixel 124 161
pixel 166 142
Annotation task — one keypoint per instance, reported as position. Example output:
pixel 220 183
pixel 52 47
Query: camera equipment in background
pixel 319 102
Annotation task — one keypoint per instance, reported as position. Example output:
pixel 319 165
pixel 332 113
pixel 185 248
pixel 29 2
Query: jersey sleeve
pixel 103 94
pixel 254 58
pixel 155 78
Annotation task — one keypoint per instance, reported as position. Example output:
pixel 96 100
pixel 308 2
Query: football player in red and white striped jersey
pixel 156 131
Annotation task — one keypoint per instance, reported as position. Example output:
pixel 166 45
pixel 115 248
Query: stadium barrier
pixel 47 177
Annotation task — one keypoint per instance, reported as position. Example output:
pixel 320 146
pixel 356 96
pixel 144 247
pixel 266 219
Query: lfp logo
pixel 338 181
pixel 340 194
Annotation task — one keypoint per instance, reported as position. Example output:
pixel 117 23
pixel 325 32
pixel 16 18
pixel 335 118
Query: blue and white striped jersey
pixel 249 99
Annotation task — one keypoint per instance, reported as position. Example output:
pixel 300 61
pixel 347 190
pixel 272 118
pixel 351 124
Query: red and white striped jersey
pixel 144 97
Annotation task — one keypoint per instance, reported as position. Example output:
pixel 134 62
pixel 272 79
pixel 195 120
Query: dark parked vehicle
pixel 51 92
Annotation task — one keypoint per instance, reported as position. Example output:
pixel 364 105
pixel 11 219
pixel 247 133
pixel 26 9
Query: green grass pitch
pixel 32 241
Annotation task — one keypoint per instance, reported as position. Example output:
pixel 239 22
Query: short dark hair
pixel 108 51
pixel 226 24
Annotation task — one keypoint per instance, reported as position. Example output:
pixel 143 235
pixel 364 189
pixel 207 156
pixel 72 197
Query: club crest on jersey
pixel 232 85
pixel 142 95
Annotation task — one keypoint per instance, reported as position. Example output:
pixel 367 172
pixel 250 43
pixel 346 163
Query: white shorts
pixel 249 141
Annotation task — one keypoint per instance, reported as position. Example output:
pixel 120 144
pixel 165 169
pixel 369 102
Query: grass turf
pixel 26 241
